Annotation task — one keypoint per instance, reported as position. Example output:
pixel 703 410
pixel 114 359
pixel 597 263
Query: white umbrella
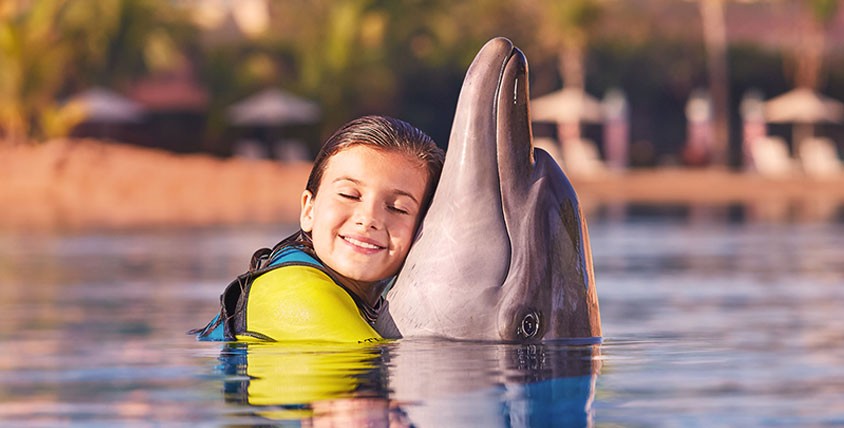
pixel 104 106
pixel 803 106
pixel 565 106
pixel 273 107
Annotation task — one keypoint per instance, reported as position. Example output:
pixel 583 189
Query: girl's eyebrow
pixel 345 178
pixel 403 193
pixel 399 192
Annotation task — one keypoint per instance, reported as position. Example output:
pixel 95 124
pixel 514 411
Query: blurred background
pixel 267 78
pixel 148 147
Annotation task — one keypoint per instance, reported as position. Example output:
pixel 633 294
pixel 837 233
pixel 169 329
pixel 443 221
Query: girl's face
pixel 364 215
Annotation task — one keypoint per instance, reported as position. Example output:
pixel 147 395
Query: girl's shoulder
pixel 301 302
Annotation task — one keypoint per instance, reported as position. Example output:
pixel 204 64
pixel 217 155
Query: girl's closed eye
pixel 348 192
pixel 402 206
pixel 398 209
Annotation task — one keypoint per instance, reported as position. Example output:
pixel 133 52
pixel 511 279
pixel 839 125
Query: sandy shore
pixel 77 184
pixel 794 198
pixel 82 184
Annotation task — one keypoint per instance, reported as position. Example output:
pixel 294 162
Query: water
pixel 706 323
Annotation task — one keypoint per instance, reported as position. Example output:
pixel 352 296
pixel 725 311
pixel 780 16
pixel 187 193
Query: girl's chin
pixel 358 276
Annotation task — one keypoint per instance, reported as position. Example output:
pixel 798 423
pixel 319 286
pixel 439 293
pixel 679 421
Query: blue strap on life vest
pixel 214 335
pixel 293 255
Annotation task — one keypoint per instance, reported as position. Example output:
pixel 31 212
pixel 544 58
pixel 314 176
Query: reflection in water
pixel 413 383
pixel 318 382
pixel 549 384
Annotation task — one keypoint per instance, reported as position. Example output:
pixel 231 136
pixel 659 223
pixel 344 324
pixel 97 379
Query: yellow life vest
pixel 289 295
pixel 303 303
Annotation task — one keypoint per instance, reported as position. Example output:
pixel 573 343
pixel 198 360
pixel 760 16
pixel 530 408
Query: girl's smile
pixel 362 244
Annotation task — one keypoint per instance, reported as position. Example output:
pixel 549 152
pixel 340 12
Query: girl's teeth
pixel 362 244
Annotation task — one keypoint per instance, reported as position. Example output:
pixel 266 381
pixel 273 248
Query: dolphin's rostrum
pixel 503 252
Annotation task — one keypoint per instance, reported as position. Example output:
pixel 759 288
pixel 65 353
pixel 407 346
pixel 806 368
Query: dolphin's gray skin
pixel 503 253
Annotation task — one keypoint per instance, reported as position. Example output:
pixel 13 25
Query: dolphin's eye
pixel 530 325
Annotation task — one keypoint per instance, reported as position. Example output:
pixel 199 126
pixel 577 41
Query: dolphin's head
pixel 503 252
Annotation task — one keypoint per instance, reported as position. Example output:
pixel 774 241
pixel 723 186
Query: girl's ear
pixel 306 213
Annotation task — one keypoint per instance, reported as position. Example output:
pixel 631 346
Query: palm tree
pixel 818 15
pixel 565 26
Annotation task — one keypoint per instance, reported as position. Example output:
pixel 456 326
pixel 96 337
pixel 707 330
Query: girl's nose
pixel 368 216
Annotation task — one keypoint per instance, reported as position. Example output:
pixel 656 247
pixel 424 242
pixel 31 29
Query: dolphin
pixel 503 252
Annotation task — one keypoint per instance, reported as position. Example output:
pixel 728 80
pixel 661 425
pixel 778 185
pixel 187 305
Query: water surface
pixel 707 323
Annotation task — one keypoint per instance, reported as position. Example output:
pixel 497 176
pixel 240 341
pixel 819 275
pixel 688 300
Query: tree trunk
pixel 571 63
pixel 715 41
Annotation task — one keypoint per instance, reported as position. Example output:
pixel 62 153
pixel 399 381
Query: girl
pixel 367 192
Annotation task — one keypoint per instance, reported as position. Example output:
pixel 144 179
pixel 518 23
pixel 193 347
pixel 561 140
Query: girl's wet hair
pixel 382 133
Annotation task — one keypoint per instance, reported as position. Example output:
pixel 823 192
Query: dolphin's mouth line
pixel 502 95
pixel 496 111
pixel 496 105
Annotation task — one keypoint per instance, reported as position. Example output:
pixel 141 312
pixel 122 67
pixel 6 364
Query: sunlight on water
pixel 706 323
pixel 721 324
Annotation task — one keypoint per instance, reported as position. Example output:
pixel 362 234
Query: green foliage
pixel 575 14
pixel 117 40
pixel 51 47
pixel 32 57
pixel 353 56
pixel 823 10
pixel 357 57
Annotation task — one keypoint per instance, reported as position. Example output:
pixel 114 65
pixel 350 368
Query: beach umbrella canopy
pixel 803 106
pixel 104 106
pixel 565 106
pixel 273 107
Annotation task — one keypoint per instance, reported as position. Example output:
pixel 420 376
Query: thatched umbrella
pixel 273 107
pixel 104 113
pixel 565 106
pixel 103 106
pixel 803 107
pixel 568 108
